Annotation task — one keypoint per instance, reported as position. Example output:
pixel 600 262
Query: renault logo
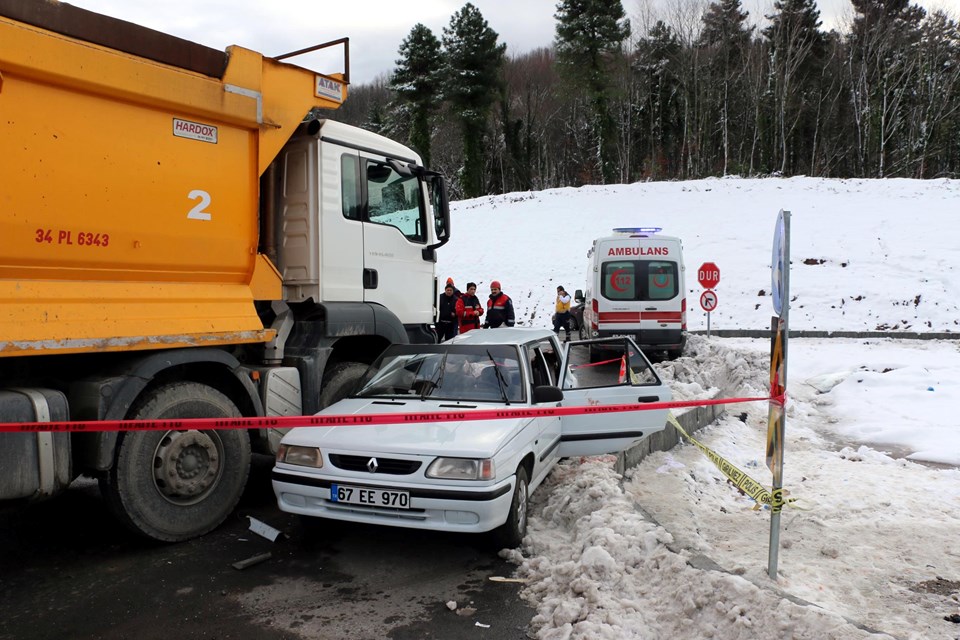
pixel 372 465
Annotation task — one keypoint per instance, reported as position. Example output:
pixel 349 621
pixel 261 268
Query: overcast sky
pixel 375 27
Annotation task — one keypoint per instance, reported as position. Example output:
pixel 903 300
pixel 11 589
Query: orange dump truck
pixel 177 240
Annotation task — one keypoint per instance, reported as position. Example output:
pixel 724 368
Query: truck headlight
pixel 461 469
pixel 303 456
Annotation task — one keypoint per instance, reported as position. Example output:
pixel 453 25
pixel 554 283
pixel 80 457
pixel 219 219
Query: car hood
pixel 464 439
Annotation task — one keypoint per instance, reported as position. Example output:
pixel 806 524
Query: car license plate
pixel 370 497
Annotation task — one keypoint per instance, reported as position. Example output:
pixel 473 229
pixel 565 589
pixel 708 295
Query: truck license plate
pixel 370 497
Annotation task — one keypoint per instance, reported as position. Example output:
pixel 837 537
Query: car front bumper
pixel 435 507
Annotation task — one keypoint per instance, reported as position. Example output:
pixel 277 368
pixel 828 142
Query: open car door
pixel 608 371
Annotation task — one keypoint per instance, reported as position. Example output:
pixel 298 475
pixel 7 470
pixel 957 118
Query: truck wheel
pixel 510 533
pixel 176 485
pixel 340 381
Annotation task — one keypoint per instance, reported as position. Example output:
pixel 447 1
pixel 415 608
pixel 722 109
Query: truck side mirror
pixel 578 295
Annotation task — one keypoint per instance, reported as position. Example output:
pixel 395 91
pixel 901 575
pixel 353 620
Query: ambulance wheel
pixel 340 382
pixel 510 534
pixel 176 485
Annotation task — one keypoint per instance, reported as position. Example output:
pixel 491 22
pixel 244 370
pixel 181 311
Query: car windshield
pixel 446 372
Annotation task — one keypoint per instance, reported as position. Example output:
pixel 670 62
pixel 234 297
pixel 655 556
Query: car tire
pixel 340 382
pixel 148 488
pixel 510 534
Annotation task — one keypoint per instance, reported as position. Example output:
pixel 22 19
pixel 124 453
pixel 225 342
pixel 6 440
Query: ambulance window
pixel 618 280
pixel 661 280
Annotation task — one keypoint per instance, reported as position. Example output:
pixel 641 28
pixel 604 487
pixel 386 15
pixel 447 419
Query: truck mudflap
pixel 35 465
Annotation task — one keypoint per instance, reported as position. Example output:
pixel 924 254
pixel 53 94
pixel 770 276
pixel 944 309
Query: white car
pixel 468 476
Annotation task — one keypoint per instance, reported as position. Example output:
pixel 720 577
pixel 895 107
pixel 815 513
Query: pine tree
pixel 656 64
pixel 474 61
pixel 726 39
pixel 799 51
pixel 416 84
pixel 589 34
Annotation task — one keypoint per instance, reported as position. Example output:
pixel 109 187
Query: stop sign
pixel 709 275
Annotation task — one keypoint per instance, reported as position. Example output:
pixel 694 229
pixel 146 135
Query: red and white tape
pixel 334 420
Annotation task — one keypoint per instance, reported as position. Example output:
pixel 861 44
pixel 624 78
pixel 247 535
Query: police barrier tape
pixel 332 420
pixel 743 482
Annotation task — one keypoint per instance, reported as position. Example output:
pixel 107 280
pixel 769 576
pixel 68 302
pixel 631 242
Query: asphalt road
pixel 69 571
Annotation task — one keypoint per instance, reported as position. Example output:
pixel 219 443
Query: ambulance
pixel 636 288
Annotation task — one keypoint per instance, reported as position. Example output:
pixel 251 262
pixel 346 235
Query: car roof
pixel 502 335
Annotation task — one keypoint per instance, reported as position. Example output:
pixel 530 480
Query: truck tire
pixel 176 485
pixel 340 381
pixel 510 534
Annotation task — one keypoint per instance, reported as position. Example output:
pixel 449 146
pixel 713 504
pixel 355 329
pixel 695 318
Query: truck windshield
pixel 466 373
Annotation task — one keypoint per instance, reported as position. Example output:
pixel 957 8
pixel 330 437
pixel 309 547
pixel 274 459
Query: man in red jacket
pixel 469 309
pixel 499 308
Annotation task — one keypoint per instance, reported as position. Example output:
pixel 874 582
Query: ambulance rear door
pixel 641 291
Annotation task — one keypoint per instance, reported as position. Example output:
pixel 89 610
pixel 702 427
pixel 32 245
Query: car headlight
pixel 461 469
pixel 303 456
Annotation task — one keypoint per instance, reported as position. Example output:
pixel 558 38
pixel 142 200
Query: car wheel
pixel 673 354
pixel 510 534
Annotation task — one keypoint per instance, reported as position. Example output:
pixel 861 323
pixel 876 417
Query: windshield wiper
pixel 500 381
pixel 429 385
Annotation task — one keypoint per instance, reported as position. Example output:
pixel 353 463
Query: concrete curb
pixel 692 420
pixel 896 335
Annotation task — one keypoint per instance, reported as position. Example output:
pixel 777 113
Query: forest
pixel 703 89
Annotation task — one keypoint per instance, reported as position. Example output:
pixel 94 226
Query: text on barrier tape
pixel 334 420
pixel 743 482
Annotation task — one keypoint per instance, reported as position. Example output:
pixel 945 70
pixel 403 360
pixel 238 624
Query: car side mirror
pixel 578 295
pixel 547 393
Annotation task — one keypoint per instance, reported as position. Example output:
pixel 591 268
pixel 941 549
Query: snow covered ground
pixel 872 438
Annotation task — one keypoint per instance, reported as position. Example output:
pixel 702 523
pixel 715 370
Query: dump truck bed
pixel 129 206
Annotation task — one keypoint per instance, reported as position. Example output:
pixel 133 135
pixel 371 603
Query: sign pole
pixel 778 381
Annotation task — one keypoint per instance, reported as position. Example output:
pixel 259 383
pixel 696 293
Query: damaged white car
pixel 467 476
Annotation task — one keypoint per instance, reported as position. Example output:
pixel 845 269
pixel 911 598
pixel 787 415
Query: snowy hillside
pixel 866 255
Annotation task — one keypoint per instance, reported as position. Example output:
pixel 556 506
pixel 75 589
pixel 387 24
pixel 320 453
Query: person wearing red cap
pixel 499 308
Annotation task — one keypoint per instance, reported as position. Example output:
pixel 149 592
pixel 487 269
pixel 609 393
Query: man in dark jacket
pixel 447 314
pixel 499 308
